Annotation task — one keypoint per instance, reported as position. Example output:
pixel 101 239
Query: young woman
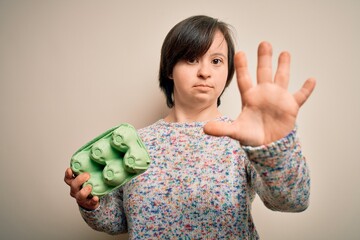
pixel 207 168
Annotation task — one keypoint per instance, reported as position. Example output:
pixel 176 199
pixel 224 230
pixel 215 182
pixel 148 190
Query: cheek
pixel 223 76
pixel 179 72
pixel 183 75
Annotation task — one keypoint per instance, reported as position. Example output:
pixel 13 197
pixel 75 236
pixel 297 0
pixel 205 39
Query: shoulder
pixel 151 131
pixel 225 119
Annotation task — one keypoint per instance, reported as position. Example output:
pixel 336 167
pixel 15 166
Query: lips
pixel 203 86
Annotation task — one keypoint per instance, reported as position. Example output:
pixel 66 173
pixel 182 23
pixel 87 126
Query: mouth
pixel 203 86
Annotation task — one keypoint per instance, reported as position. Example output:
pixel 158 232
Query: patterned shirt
pixel 201 187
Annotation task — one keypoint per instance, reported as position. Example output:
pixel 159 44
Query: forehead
pixel 218 44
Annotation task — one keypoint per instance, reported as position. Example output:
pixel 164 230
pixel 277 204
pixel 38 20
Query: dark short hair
pixel 190 39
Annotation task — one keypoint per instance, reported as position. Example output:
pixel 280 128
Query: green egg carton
pixel 112 159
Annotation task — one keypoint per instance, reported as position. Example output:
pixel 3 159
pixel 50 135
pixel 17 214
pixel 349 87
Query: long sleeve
pixel 201 187
pixel 109 217
pixel 279 174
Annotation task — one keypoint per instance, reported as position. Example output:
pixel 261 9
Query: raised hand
pixel 269 110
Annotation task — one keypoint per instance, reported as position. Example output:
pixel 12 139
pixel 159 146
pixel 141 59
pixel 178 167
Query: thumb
pixel 219 129
pixel 303 94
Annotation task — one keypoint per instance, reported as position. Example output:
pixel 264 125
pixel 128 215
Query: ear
pixel 170 76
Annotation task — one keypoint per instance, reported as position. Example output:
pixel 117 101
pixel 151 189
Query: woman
pixel 206 168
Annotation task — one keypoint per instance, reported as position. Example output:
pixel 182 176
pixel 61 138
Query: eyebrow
pixel 218 54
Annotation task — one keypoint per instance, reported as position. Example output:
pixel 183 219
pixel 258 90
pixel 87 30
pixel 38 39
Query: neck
pixel 179 114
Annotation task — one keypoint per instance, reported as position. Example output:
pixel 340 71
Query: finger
pixel 84 194
pixel 264 68
pixel 303 94
pixel 242 72
pixel 94 200
pixel 219 129
pixel 77 183
pixel 282 75
pixel 90 204
pixel 68 176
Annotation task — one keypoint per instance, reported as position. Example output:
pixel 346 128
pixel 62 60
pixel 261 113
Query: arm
pixel 277 170
pixel 279 174
pixel 109 216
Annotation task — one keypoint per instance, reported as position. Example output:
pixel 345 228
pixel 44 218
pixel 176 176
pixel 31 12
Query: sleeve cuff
pixel 273 149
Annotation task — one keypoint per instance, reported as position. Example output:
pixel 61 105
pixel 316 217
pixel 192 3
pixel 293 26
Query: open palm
pixel 269 110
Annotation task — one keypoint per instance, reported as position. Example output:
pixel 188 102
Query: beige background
pixel 69 70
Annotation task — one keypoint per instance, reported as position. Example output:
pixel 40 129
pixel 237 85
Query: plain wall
pixel 71 69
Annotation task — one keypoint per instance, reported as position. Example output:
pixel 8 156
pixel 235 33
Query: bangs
pixel 195 41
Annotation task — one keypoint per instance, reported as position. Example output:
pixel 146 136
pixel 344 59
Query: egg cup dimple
pixel 112 159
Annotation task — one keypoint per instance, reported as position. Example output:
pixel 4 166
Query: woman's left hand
pixel 269 110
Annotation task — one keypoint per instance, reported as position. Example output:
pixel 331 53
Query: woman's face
pixel 200 81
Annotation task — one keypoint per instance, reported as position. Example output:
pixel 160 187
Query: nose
pixel 204 70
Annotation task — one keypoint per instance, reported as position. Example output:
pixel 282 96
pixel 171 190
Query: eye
pixel 217 61
pixel 192 61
